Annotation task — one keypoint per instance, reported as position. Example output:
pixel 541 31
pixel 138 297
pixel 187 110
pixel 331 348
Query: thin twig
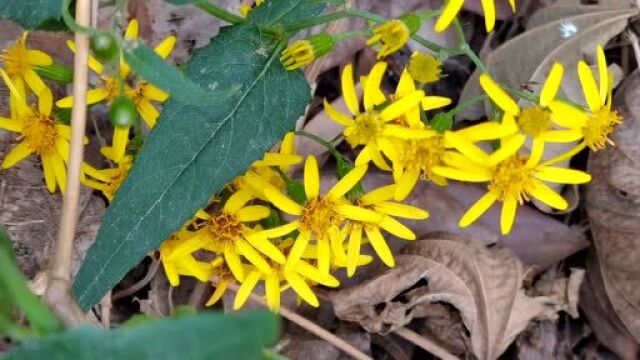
pixel 58 293
pixel 153 269
pixel 105 311
pixel 310 327
pixel 634 43
pixel 195 299
pixel 425 343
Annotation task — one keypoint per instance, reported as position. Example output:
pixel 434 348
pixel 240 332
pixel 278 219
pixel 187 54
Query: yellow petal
pixel 296 250
pixel 562 175
pixel 406 183
pixel 508 214
pixel 94 64
pixel 499 96
pixel 451 9
pixel 165 47
pixel 233 261
pixel 561 136
pixel 148 112
pixel 37 57
pixel 548 196
pixel 221 288
pixel 353 250
pixel 349 90
pixel 347 182
pixel 461 175
pixel 120 141
pixel 10 124
pixel 402 106
pixel 17 154
pixel 172 273
pixel 15 90
pixel 372 86
pixel 306 270
pixel 272 291
pixel 489 130
pixel 336 115
pixel 268 248
pixel 589 87
pixel 509 148
pixel 282 202
pixel 406 133
pixel 132 30
pixel 252 255
pixel 246 288
pixel 380 246
pixel 357 213
pixel 537 151
pixel 406 85
pixel 252 213
pixel 476 210
pixel 276 232
pixel 396 228
pixel 49 175
pixel 301 288
pixel 236 201
pixel 59 170
pixel 567 115
pixel 45 101
pixel 434 102
pixel 473 152
pixel 324 255
pixel 311 178
pixel 551 85
pixel 489 9
pixel 336 238
pixel 401 210
pixel 566 155
pixel 34 81
pixel 378 195
pixel 151 92
pixel 602 72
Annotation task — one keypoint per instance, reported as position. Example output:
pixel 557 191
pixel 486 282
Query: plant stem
pixel 58 293
pixel 466 49
pixel 219 12
pixel 322 142
pixel 465 104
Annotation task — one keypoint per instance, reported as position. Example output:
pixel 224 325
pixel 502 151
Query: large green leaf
pixel 31 14
pixel 205 336
pixel 153 68
pixel 285 12
pixel 194 151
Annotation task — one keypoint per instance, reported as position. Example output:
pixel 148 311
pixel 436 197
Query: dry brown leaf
pixel 613 206
pixel 565 290
pixel 483 284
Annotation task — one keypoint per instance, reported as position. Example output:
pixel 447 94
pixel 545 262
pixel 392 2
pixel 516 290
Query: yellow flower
pixel 535 121
pixel 394 34
pixel 373 128
pixel 379 201
pixel 424 68
pixel 107 181
pixel 304 52
pixel 20 61
pixel 283 159
pixel 227 233
pixel 597 124
pixel 412 157
pixel 246 9
pixel 176 255
pixel 224 278
pixel 39 134
pixel 320 217
pixel 298 278
pixel 453 7
pixel 513 179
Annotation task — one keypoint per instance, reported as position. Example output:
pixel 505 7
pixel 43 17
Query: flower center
pixel 395 33
pixel 598 127
pixel 39 132
pixel 424 68
pixel 318 216
pixel 112 85
pixel 15 59
pixel 512 177
pixel 534 120
pixel 423 154
pixel 116 180
pixel 224 228
pixel 367 129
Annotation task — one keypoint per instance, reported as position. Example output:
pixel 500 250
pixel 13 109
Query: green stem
pixel 465 104
pixel 521 94
pixel 332 150
pixel 348 35
pixel 71 22
pixel 466 49
pixel 220 13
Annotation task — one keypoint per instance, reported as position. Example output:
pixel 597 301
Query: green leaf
pixel 153 68
pixel 285 12
pixel 16 294
pixel 31 14
pixel 194 151
pixel 205 336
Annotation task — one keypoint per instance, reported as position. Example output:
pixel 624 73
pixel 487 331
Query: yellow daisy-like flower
pixel 107 181
pixel 39 134
pixel 379 201
pixel 598 124
pixel 513 179
pixel 424 68
pixel 176 255
pixel 453 7
pixel 224 278
pixel 373 128
pixel 535 121
pixel 19 63
pixel 298 278
pixel 320 218
pixel 392 35
pixel 227 233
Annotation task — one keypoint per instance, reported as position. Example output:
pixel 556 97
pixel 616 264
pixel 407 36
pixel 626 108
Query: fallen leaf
pixel 483 284
pixel 613 207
